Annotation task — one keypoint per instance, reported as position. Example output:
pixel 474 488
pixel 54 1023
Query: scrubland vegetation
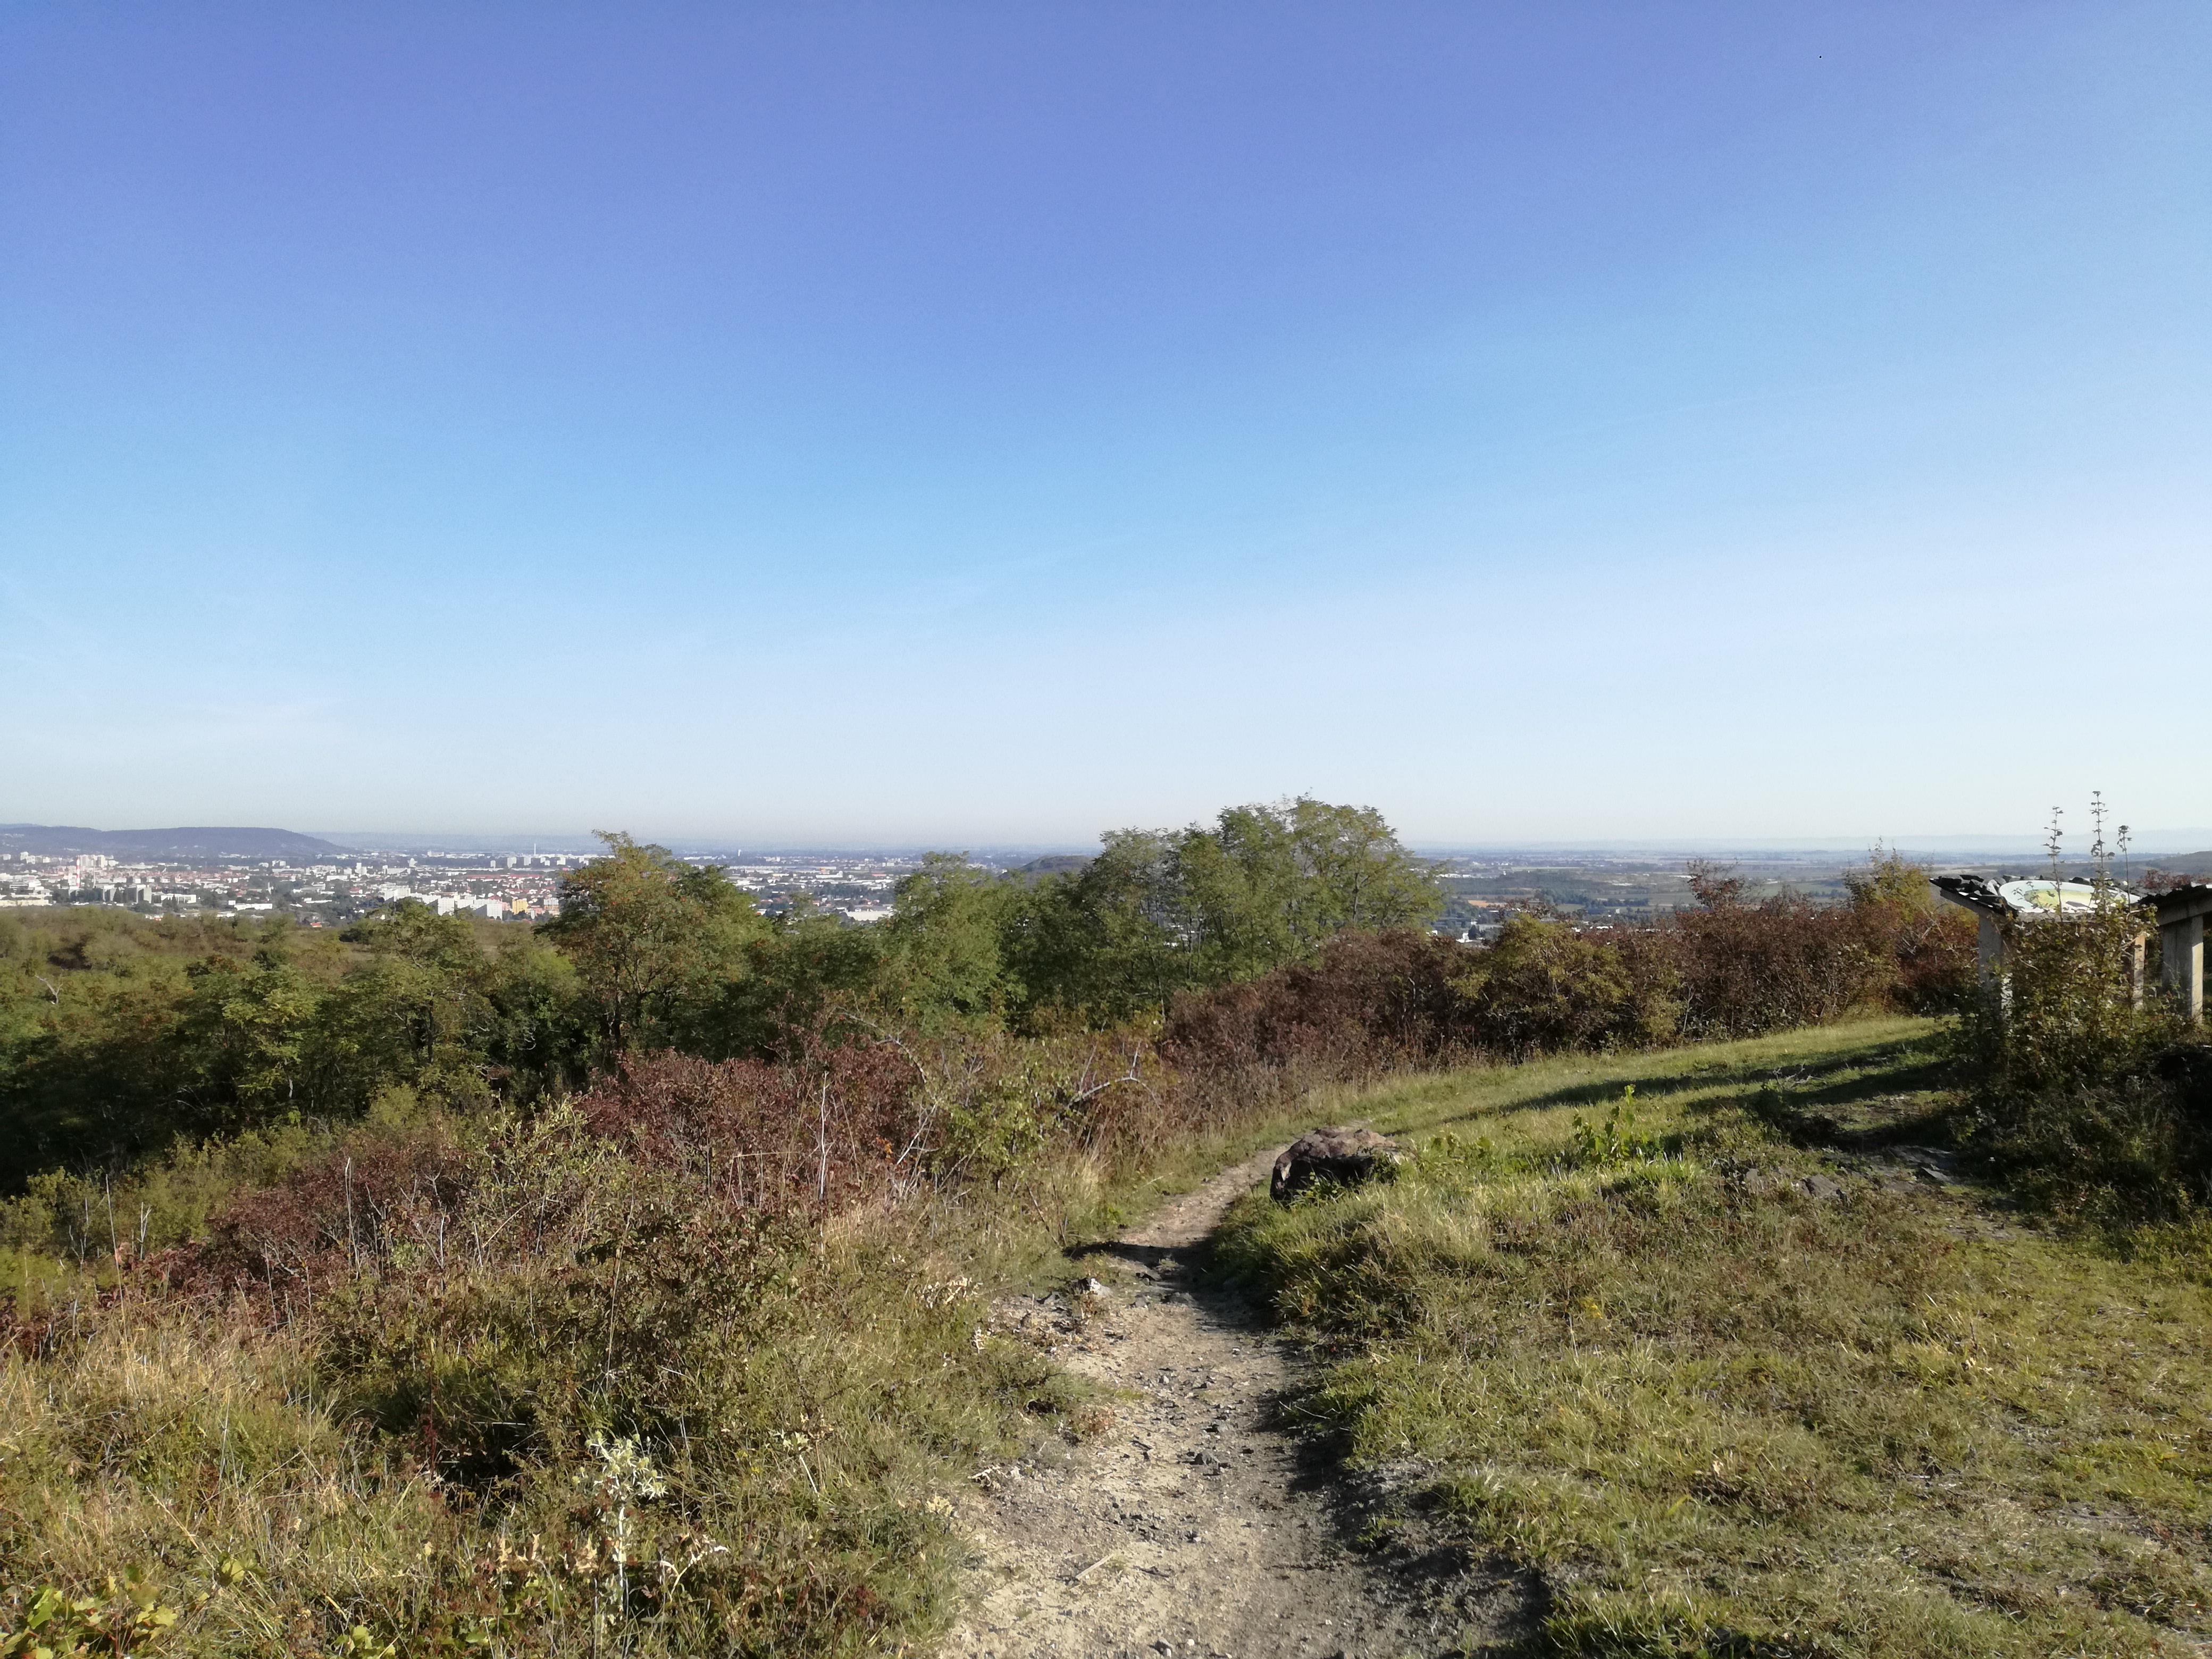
pixel 621 1286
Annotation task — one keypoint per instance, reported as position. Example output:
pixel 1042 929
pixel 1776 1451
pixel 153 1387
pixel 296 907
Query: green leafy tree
pixel 415 1014
pixel 1163 911
pixel 1109 942
pixel 248 1031
pixel 410 931
pixel 1269 885
pixel 943 958
pixel 809 968
pixel 91 1069
pixel 655 941
pixel 1353 874
pixel 538 1031
pixel 1240 894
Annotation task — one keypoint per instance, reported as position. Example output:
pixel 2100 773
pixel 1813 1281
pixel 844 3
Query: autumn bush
pixel 1745 969
pixel 1370 1003
pixel 539 1382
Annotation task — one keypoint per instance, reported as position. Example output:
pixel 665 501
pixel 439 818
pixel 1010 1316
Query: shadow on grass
pixel 1925 1077
pixel 1899 1066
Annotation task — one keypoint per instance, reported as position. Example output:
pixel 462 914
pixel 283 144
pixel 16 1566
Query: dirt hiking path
pixel 1193 1526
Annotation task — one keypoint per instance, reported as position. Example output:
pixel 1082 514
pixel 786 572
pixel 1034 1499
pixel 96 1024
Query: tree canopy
pixel 266 1025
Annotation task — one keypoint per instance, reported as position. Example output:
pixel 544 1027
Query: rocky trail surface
pixel 1194 1524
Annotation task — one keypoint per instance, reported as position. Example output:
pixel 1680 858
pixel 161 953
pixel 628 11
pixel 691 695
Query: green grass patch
pixel 1734 1383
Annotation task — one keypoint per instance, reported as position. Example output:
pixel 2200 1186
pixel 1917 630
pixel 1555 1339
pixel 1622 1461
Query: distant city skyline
pixel 2076 843
pixel 853 425
pixel 2146 841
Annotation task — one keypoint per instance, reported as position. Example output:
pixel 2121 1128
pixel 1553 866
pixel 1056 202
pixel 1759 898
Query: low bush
pixel 1368 1003
pixel 531 1384
pixel 1544 987
pixel 664 1437
pixel 680 1364
pixel 1746 968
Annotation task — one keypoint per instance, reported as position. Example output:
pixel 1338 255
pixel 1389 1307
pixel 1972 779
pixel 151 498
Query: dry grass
pixel 161 1449
pixel 799 1440
pixel 409 1463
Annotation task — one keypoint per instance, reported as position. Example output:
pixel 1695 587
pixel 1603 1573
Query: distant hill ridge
pixel 2172 864
pixel 209 842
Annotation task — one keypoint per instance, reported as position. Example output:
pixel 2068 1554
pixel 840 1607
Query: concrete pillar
pixel 1989 950
pixel 2181 946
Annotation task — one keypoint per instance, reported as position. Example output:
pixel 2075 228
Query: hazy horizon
pixel 2147 843
pixel 800 425
pixel 2151 843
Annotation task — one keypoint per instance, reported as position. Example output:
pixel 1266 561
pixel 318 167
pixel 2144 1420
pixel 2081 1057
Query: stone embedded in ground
pixel 1769 1183
pixel 1344 1156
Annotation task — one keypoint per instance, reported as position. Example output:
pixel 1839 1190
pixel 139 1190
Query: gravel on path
pixel 1193 1525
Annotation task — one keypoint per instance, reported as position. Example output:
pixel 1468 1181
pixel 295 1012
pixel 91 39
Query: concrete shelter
pixel 2181 914
pixel 2180 920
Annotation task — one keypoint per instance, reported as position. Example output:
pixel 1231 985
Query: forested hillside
pixel 118 1035
pixel 620 1282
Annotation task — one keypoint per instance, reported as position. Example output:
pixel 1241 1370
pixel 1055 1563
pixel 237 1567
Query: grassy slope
pixel 1721 1414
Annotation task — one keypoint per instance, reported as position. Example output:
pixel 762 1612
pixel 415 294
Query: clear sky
pixel 979 423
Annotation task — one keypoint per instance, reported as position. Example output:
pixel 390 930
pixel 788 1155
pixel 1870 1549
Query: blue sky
pixel 983 422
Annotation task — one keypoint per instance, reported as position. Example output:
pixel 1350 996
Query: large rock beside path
pixel 1344 1156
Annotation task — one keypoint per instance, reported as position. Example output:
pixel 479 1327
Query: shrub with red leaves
pixel 1369 1002
pixel 381 1188
pixel 781 1138
pixel 1785 961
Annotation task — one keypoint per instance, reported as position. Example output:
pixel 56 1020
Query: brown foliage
pixel 782 1137
pixel 1934 950
pixel 381 1186
pixel 873 1119
pixel 1369 1003
pixel 1747 969
pixel 1372 1002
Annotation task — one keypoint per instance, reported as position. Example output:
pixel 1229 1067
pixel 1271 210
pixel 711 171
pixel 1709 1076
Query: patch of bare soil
pixel 1193 1525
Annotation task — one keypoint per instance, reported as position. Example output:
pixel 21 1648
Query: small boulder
pixel 1345 1156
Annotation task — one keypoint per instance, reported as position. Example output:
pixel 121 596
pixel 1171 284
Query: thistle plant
pixel 2071 1017
pixel 625 1474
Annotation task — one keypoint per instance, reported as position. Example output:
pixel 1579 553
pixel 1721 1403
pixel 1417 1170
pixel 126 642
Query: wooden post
pixel 2181 945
